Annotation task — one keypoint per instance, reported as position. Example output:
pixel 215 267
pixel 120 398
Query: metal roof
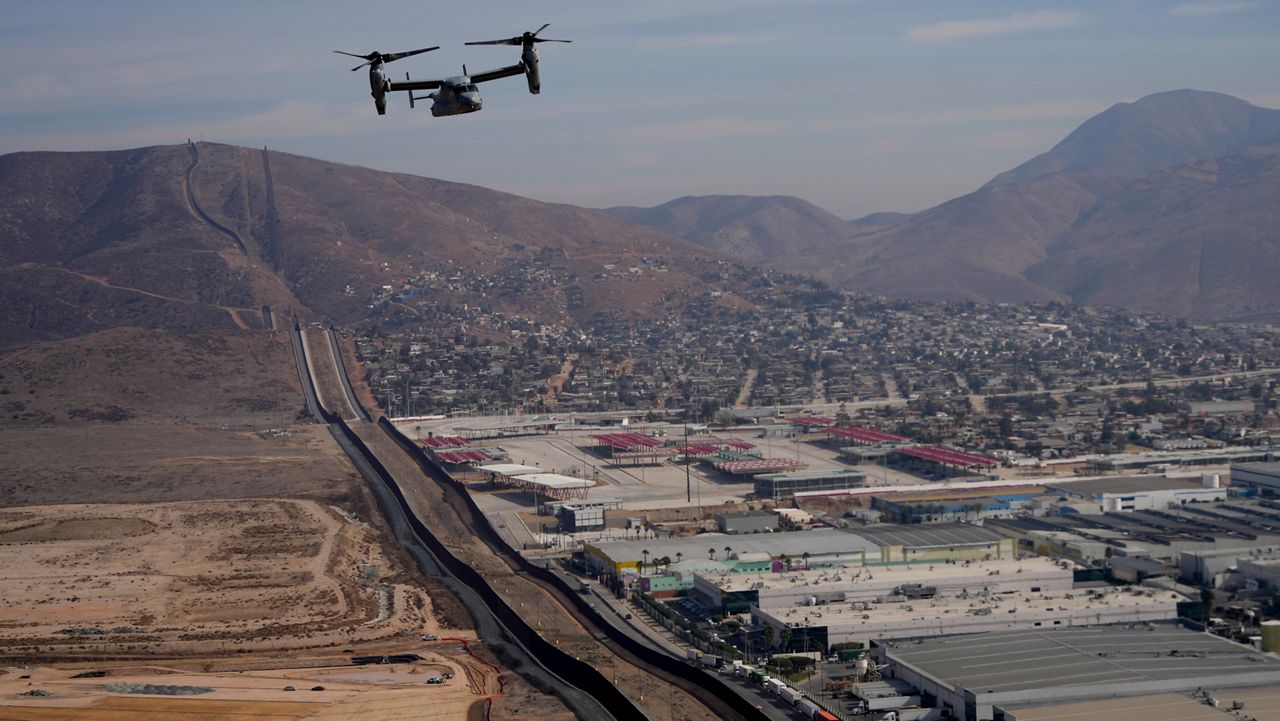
pixel 1127 484
pixel 508 469
pixel 1081 656
pixel 554 481
pixel 842 473
pixel 817 542
pixel 867 435
pixel 758 465
pixel 920 535
pixel 949 456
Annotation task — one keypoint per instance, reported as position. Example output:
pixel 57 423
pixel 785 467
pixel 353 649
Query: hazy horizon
pixel 857 107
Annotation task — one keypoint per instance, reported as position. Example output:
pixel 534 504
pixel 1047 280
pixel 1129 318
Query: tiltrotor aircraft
pixel 378 84
pixel 459 94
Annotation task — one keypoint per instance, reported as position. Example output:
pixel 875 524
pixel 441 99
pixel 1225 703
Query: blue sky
pixel 858 106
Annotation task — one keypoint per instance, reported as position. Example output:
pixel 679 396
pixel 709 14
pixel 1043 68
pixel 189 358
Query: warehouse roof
pixel 817 542
pixel 1086 656
pixel 1127 484
pixel 927 535
pixel 1260 703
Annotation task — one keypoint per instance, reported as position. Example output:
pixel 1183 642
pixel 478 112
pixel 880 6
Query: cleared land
pixel 368 693
pixel 195 577
pixel 129 415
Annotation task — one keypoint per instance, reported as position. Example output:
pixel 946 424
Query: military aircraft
pixel 528 55
pixel 458 94
pixel 378 84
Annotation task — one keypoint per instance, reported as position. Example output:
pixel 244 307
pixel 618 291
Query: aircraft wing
pixel 412 85
pixel 517 69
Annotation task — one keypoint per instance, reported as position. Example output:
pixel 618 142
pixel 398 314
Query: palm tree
pixel 805 556
pixel 711 553
pixel 679 556
pixel 727 551
pixel 768 635
pixel 645 562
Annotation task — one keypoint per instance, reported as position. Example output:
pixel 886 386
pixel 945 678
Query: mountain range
pixel 1165 204
pixel 199 237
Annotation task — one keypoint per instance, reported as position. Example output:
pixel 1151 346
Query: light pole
pixel 688 482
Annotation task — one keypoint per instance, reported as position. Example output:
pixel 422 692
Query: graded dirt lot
pixel 242 552
pixel 360 693
pixel 196 577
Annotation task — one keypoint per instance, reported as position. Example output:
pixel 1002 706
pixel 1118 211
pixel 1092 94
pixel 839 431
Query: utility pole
pixel 688 460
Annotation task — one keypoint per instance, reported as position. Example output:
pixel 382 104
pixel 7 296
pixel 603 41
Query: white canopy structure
pixel 553 485
pixel 508 469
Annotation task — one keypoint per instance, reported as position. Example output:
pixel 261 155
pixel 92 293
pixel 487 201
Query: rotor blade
pixel 396 56
pixel 544 27
pixel 362 57
pixel 549 40
pixel 361 65
pixel 508 41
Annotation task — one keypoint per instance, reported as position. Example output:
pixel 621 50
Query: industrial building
pixel 820 547
pixel 583 515
pixel 916 543
pixel 1262 478
pixel 786 485
pixel 955 504
pixel 1132 493
pixel 1206 457
pixel 824 547
pixel 1232 568
pixel 1038 668
pixel 747 522
pixel 1163 535
pixel 816 627
pixel 735 592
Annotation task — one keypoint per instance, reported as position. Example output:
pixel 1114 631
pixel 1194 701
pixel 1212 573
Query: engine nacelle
pixel 531 74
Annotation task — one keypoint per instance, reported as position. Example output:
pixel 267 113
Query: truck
pixel 692 654
pixel 791 695
pixel 711 660
pixel 891 703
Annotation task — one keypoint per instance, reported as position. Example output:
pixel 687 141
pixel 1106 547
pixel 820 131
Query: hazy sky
pixel 855 106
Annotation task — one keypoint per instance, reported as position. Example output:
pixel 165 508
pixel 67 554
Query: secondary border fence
pixel 575 672
pixel 711 684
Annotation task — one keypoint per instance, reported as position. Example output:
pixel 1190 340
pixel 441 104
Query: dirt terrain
pixel 175 578
pixel 131 414
pixel 363 693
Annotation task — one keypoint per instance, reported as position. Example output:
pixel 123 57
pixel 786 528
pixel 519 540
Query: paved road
pixel 614 611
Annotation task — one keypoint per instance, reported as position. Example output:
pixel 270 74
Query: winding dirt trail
pixel 232 311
